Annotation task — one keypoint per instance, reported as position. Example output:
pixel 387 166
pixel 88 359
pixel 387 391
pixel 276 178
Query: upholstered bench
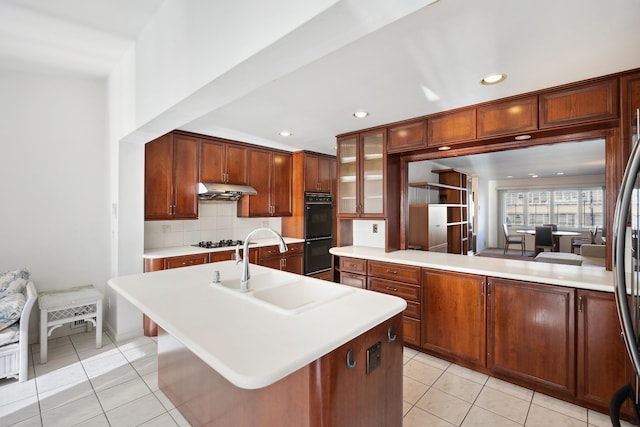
pixel 559 258
pixel 17 296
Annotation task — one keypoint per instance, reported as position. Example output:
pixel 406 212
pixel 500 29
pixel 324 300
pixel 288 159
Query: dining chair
pixel 544 239
pixel 512 240
pixel 578 241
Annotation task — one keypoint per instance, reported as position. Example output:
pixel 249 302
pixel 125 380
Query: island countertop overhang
pixel 250 345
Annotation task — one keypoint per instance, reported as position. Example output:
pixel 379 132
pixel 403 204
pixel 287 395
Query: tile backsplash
pixel 217 220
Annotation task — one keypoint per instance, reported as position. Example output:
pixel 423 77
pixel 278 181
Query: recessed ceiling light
pixel 509 176
pixel 360 114
pixel 560 173
pixel 534 176
pixel 492 79
pixel 285 133
pixel 444 148
pixel 523 137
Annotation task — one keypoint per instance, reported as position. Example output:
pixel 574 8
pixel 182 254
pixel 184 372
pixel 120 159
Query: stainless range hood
pixel 214 191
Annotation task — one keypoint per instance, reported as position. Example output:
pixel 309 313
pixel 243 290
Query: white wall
pixel 55 212
pixel 217 220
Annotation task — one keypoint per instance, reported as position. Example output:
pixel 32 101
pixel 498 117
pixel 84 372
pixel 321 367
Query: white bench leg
pixel 99 323
pixel 43 336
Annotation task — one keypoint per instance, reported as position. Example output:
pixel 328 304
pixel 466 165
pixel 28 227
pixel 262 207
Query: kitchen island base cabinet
pixel 342 388
pixel 531 334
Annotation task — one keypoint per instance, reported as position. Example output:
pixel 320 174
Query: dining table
pixel 555 233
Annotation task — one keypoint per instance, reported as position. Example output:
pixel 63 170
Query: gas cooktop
pixel 219 244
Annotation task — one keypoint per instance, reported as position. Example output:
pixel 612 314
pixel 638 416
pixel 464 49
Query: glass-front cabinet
pixel 361 174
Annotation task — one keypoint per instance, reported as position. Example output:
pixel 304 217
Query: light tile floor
pixel 117 386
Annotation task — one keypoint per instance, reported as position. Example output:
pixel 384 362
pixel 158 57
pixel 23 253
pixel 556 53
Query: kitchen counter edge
pixel 581 277
pixel 193 250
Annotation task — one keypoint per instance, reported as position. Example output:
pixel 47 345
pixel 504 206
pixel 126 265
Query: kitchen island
pixel 329 356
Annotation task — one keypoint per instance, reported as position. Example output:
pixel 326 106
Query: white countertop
pixel 583 277
pixel 249 344
pixel 192 250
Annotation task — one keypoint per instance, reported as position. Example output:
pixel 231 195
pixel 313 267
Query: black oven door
pixel 318 220
pixel 316 255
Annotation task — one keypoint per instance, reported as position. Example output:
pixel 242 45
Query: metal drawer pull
pixel 390 335
pixel 392 271
pixel 351 363
pixel 389 288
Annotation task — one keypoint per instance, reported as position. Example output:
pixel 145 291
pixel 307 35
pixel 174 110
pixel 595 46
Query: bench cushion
pixel 11 306
pixel 10 335
pixel 559 258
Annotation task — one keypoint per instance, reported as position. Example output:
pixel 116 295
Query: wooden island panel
pixel 325 393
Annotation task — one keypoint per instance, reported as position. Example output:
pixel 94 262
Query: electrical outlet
pixel 375 228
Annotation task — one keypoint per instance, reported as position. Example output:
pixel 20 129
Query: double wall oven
pixel 318 226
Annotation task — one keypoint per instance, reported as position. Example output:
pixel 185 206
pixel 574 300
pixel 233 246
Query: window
pixel 567 207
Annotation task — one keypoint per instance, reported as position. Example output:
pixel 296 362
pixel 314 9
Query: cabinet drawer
pixel 402 290
pixel 354 280
pixel 274 251
pixel 413 309
pixel 353 265
pixel 386 270
pixel 185 261
pixel 411 330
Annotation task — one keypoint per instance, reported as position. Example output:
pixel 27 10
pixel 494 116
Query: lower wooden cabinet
pixel 402 281
pixel 531 334
pixel 291 261
pixel 603 365
pixel 453 315
pixel 341 388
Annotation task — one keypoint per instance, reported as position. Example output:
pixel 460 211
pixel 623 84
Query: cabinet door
pixel 311 173
pixel 185 177
pixel 326 174
pixel 508 118
pixel 601 351
pixel 158 178
pixel 406 137
pixel 280 181
pixel 581 104
pixel 531 334
pixel 259 173
pixel 453 315
pixel 212 161
pixel 451 128
pixel 348 176
pixel 293 264
pixel 236 169
pixel 373 144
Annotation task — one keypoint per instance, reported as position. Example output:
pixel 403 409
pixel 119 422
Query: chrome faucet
pixel 244 273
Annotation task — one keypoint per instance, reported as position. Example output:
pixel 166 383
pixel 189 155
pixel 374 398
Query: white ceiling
pixel 429 61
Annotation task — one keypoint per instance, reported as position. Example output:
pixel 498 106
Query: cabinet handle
pixel 389 288
pixel 580 304
pixel 391 336
pixel 351 362
pixel 392 271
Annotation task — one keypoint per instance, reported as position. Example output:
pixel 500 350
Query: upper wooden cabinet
pixel 171 177
pixel 588 102
pixel 407 136
pixel 270 175
pixel 223 162
pixel 510 117
pixel 361 174
pixel 451 128
pixel 319 173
